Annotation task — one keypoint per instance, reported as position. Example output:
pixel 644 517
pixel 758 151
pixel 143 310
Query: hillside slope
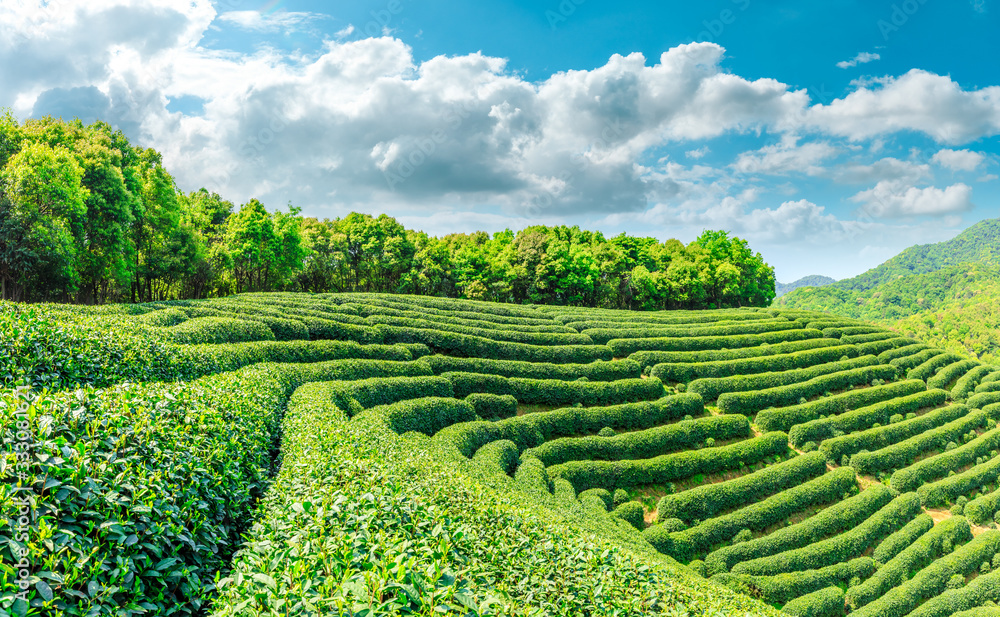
pixel 458 457
pixel 814 280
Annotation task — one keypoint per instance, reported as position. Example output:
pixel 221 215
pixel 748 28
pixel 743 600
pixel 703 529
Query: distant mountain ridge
pixel 813 280
pixel 947 294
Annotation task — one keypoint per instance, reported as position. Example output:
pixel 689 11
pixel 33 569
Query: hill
pixel 814 280
pixel 379 454
pixel 943 293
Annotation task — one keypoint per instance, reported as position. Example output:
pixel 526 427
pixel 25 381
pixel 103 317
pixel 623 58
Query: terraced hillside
pixel 373 454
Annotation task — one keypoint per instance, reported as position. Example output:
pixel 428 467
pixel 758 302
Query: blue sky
pixel 830 135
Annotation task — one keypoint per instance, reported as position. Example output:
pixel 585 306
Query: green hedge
pixel 688 434
pixel 786 587
pixel 556 391
pixel 931 581
pixel 593 371
pixel 989 386
pixel 493 406
pixel 910 362
pixel 937 466
pixel 842 516
pixel 686 372
pixel 698 540
pixel 914 558
pixel 618 318
pixel 329 329
pixel 534 429
pixel 477 322
pixel 711 387
pixel 968 382
pixel 890 433
pixel 603 335
pixel 165 318
pixel 881 346
pixel 952 373
pixel 983 588
pixel 881 413
pixel 704 502
pixel 847 545
pixel 870 337
pixel 905 452
pixel 937 366
pixel 897 542
pixel 902 351
pixel 610 475
pixel 368 305
pixel 497 334
pixel 827 602
pixel 479 347
pixel 424 415
pixel 625 347
pixel 785 418
pixel 387 390
pixel 651 358
pixel 840 332
pixel 983 508
pixel 757 400
pixel 983 399
pixel 950 488
pixel 632 513
pixel 218 330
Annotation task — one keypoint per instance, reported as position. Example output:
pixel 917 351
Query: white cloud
pixel 888 168
pixel 862 58
pixel 786 157
pixel 958 160
pixel 893 199
pixel 916 101
pixel 280 21
pixel 697 153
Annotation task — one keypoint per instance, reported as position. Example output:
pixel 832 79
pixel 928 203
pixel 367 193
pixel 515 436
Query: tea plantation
pixel 367 454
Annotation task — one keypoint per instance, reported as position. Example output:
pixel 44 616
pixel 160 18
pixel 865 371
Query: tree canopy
pixel 85 216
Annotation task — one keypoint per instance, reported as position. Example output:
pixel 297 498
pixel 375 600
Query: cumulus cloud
pixel 916 101
pixel 862 58
pixel 888 168
pixel 958 160
pixel 697 153
pixel 786 157
pixel 894 199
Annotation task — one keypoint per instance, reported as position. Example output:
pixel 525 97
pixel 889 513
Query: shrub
pixel 620 497
pixel 902 351
pixel 940 464
pixel 603 335
pixel 651 358
pixel 218 330
pixel 788 586
pixel 974 596
pixel 967 383
pixel 626 347
pixel 711 387
pixel 593 371
pixel 784 419
pixel 555 391
pixel 934 367
pixel 753 401
pixel 686 371
pixel 387 390
pixel 493 406
pixel 900 540
pixel 632 513
pixel 953 372
pixel 607 431
pixel 496 333
pixel 983 508
pixel 827 602
pixel 936 493
pixel 983 399
pixel 584 475
pixel 744 535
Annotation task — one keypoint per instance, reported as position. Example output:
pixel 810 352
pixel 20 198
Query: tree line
pixel 87 217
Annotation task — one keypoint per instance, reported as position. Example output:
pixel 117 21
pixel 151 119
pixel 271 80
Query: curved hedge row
pixel 919 473
pixel 593 371
pixel 387 390
pixel 897 542
pixel 902 351
pixel 931 581
pixel 950 488
pixel 711 387
pixel 843 547
pixel 983 399
pixel 617 318
pixel 785 418
pixel 910 362
pixel 905 452
pixel 879 413
pixel 534 429
pixel 935 366
pixel 918 555
pixel 757 400
pixel 837 518
pixel 700 539
pixel 983 588
pixel 477 322
pixel 989 386
pixel 424 415
pixel 650 358
pixel 477 346
pixel 827 602
pixel 703 502
pixel 842 331
pixel 493 406
pixel 610 475
pixel 968 382
pixel 870 337
pixel 785 587
pixel 623 347
pixel 879 347
pixel 556 391
pixel 200 330
pixel 685 372
pixel 952 373
pixel 515 336
pixel 688 434
pixel 892 432
pixel 632 513
pixel 603 335
pixel 368 304
pixel 724 325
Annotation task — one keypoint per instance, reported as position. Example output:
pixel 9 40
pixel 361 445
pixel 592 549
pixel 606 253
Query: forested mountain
pixel 813 280
pixel 943 293
pixel 86 216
